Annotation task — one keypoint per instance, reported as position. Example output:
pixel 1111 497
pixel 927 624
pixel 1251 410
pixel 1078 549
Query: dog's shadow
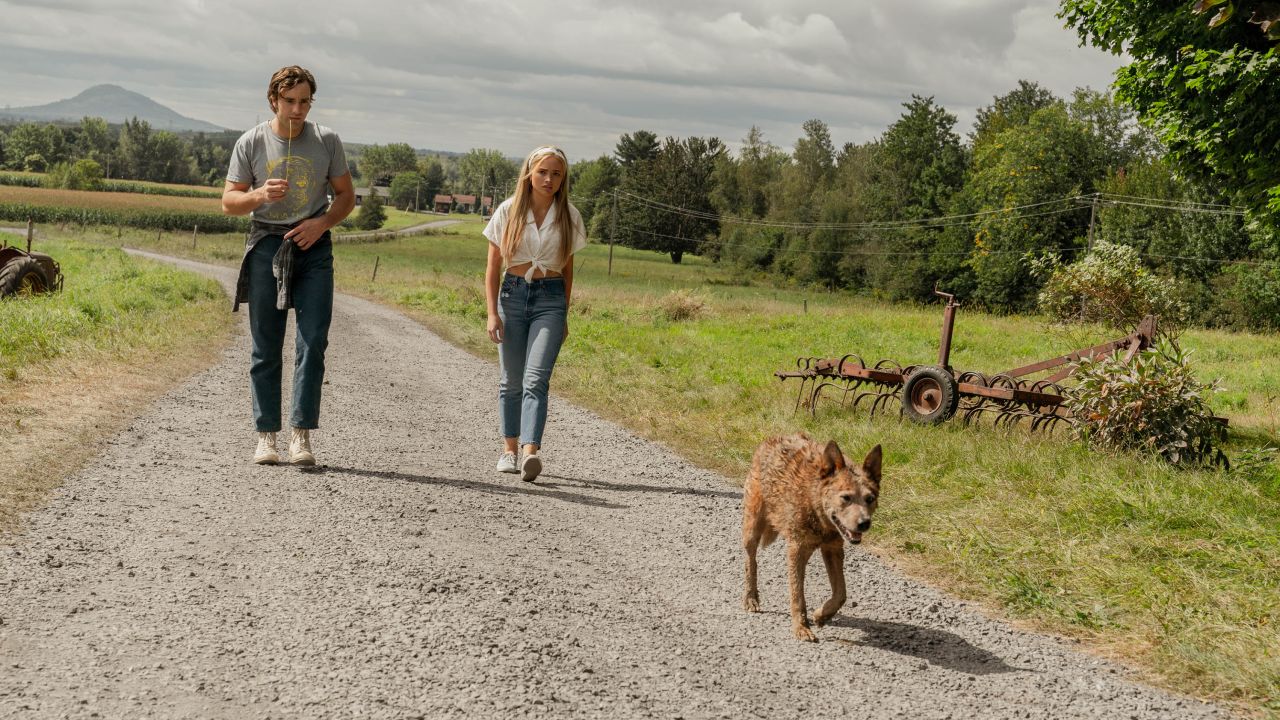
pixel 939 647
pixel 529 489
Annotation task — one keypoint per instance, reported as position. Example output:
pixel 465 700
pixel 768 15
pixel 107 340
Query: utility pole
pixel 613 229
pixel 1093 214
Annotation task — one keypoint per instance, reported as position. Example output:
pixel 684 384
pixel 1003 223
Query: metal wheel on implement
pixel 930 395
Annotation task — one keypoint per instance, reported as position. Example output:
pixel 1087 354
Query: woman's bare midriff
pixel 523 268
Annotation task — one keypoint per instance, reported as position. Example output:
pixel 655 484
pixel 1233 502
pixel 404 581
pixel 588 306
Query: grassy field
pixel 399 219
pixel 75 365
pixel 1176 572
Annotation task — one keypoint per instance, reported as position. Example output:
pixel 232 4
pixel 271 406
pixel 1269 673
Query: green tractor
pixel 23 272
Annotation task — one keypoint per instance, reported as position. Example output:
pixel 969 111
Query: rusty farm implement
pixel 931 394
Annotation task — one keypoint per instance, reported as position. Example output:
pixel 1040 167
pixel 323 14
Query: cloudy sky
pixel 513 74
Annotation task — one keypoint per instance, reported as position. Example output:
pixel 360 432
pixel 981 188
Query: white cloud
pixel 512 73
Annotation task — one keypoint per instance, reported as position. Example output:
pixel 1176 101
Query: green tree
pixel 486 172
pixel 1188 243
pixel 378 163
pixel 916 168
pixel 135 156
pixel 373 213
pixel 636 147
pixel 34 147
pixel 743 185
pixel 209 157
pixel 1050 158
pixel 593 184
pixel 1122 142
pixel 665 202
pixel 169 160
pixel 432 172
pixel 83 174
pixel 1203 77
pixel 408 189
pixel 1012 109
pixel 93 140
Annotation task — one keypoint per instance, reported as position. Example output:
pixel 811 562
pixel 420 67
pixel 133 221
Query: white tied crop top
pixel 539 246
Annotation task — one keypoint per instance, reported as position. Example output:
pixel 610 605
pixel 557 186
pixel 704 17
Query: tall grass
pixel 111 304
pixel 1175 571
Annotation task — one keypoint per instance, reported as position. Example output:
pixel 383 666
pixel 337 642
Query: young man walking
pixel 291 176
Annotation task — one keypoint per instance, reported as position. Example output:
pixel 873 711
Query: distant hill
pixel 114 104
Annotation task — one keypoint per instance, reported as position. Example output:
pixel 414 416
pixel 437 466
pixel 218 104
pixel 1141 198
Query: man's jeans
pixel 313 309
pixel 533 317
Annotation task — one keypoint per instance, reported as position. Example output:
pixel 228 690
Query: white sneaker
pixel 530 466
pixel 266 453
pixel 300 448
pixel 507 463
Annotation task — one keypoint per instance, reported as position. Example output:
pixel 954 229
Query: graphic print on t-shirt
pixel 300 173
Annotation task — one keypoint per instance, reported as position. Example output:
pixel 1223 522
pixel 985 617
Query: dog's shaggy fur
pixel 813 496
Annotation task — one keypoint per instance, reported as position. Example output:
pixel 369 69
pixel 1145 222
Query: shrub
pixel 1151 404
pixel 1110 286
pixel 1250 296
pixel 81 175
pixel 372 213
pixel 681 305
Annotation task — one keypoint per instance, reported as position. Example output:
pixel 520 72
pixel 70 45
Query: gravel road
pixel 404 578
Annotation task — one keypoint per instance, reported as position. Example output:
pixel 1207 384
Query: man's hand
pixel 307 232
pixel 274 190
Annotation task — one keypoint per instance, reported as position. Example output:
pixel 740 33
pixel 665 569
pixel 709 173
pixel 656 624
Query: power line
pixel 1171 206
pixel 922 222
pixel 1180 202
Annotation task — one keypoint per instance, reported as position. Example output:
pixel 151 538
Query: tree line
pixel 921 207
pixel 132 150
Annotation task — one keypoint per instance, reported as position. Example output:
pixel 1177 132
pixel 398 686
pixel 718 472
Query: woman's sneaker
pixel 530 466
pixel 507 463
pixel 266 454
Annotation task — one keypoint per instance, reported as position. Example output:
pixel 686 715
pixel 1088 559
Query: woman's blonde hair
pixel 522 201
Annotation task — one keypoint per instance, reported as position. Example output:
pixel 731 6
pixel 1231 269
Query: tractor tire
pixel 22 276
pixel 930 395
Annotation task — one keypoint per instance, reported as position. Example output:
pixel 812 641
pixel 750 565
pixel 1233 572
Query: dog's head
pixel 849 494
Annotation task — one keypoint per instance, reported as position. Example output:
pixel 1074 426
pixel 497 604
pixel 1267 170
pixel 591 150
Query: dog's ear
pixel 832 458
pixel 871 465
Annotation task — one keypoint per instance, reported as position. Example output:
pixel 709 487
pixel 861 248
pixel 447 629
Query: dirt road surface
pixel 405 578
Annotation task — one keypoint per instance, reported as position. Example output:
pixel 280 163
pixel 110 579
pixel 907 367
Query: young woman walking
pixel 533 234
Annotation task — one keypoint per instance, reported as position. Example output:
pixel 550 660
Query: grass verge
pixel 77 366
pixel 1175 572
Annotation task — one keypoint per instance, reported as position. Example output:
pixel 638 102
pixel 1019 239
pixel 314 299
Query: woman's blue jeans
pixel 533 317
pixel 313 310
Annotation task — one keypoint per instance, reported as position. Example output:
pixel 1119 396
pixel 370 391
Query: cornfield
pixel 152 212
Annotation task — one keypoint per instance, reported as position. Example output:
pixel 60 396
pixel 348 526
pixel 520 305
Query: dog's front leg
pixel 751 597
pixel 797 557
pixel 833 558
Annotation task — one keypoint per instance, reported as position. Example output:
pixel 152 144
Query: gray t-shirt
pixel 307 162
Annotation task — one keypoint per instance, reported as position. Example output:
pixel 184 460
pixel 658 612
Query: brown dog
pixel 811 495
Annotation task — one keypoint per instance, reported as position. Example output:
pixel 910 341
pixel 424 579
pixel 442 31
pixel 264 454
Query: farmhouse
pixel 462 203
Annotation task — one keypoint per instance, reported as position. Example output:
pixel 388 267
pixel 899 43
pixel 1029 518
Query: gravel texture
pixel 404 577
